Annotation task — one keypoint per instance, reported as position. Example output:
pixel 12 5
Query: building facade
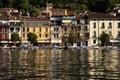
pixel 99 23
pixel 56 30
pixel 39 26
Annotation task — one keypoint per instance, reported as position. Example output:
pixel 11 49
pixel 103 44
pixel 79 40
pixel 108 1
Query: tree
pixel 32 37
pixel 34 12
pixel 14 37
pixel 104 38
pixel 72 38
pixel 1 3
pixel 22 4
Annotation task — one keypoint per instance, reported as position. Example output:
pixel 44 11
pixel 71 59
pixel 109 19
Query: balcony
pixel 55 32
pixel 68 24
pixel 94 36
pixel 109 27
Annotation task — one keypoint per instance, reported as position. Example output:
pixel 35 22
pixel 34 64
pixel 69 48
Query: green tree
pixel 34 12
pixel 1 3
pixel 32 37
pixel 104 38
pixel 110 5
pixel 22 4
pixel 10 3
pixel 14 37
pixel 72 38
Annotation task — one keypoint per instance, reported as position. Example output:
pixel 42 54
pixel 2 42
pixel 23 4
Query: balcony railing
pixel 55 32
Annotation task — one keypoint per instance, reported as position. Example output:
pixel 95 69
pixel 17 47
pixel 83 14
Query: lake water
pixel 59 65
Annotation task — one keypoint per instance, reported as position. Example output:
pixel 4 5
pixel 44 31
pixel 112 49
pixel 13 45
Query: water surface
pixel 59 65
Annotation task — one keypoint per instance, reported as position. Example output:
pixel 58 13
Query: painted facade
pixel 102 22
pixel 56 30
pixel 50 30
pixel 4 32
pixel 68 25
pixel 39 26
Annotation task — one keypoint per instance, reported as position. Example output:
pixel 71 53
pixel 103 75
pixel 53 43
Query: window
pixel 46 29
pixel 85 28
pixel 17 29
pixel 78 21
pixel 118 33
pixel 94 25
pixel 23 29
pixel 78 35
pixel 110 33
pixel 110 25
pixel 27 29
pixel 103 25
pixel 45 23
pixel 40 29
pixel 23 35
pixel 40 35
pixel 79 28
pixel 34 23
pixel 33 29
pixel 94 33
pixel 27 23
pixel 71 28
pixel 55 35
pixel 118 25
pixel 65 29
pixel 56 29
pixel 46 35
pixel 94 41
pixel 11 29
pixel 3 36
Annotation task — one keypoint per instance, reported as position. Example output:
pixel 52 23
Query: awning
pixel 114 41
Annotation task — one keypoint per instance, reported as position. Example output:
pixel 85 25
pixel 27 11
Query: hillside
pixel 34 6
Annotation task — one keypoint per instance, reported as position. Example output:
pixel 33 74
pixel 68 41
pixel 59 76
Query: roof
pixel 101 15
pixel 35 19
pixel 97 16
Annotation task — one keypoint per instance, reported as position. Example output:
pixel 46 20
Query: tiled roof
pixel 35 19
pixel 101 15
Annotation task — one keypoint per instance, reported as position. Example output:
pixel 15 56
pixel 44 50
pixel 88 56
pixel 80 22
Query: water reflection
pixel 59 65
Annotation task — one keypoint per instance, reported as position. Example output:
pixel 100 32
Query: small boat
pixel 5 47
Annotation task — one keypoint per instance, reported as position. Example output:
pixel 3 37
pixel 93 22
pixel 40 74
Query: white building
pixel 99 22
pixel 14 26
pixel 56 30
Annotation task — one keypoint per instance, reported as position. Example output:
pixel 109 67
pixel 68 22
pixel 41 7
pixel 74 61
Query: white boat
pixel 5 47
pixel 96 47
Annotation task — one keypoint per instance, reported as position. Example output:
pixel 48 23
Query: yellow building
pixel 68 25
pixel 39 26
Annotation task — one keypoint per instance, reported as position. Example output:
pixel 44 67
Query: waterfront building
pixel 4 31
pixel 101 22
pixel 82 29
pixel 50 30
pixel 56 30
pixel 14 26
pixel 68 25
pixel 9 23
pixel 39 26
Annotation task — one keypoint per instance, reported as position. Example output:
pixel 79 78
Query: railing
pixel 55 31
